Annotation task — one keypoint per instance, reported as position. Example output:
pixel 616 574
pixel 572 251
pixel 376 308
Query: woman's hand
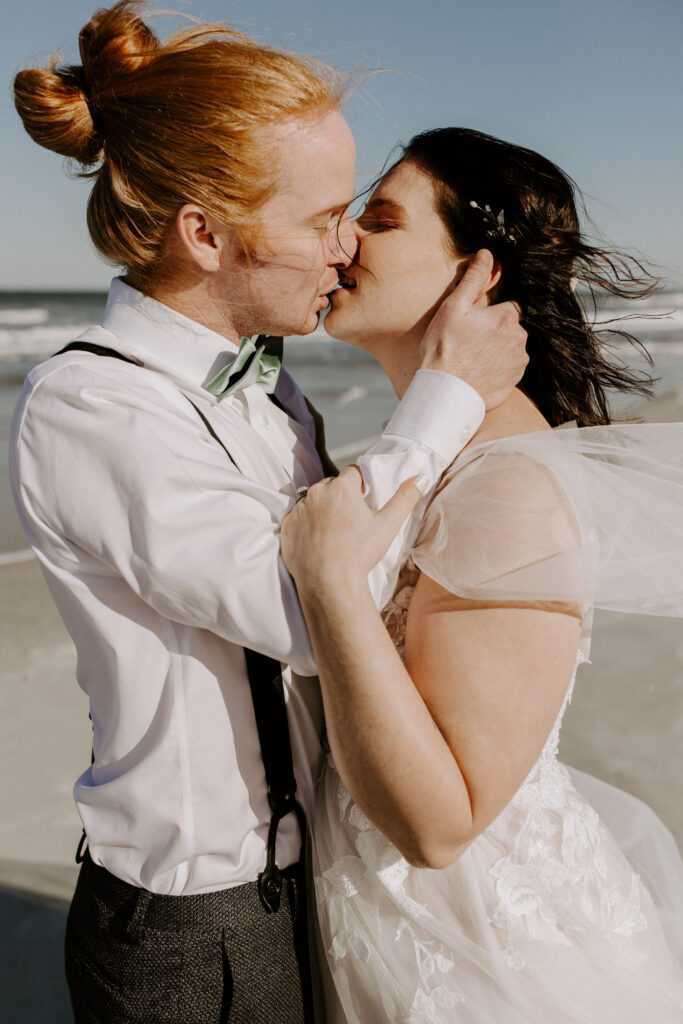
pixel 331 537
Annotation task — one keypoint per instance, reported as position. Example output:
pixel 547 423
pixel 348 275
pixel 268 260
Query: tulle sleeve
pixel 592 517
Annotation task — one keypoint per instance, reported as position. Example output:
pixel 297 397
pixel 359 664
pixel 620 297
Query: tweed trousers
pixel 134 957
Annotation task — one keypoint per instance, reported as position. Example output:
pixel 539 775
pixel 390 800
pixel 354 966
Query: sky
pixel 595 85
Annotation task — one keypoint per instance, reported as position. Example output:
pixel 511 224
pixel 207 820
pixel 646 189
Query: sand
pixel 625 725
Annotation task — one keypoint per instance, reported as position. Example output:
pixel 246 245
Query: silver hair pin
pixel 494 223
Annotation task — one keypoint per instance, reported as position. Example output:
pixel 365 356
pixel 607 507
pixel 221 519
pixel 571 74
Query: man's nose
pixel 343 243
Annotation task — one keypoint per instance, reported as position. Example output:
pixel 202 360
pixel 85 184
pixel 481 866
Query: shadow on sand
pixel 31 957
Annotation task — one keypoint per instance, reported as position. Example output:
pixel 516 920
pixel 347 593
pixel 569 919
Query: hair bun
pixel 56 114
pixel 60 106
pixel 115 41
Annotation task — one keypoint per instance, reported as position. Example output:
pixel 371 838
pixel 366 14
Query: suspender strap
pixel 210 429
pixel 101 350
pixel 97 350
pixel 270 710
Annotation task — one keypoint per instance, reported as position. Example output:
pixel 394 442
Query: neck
pixel 400 360
pixel 194 298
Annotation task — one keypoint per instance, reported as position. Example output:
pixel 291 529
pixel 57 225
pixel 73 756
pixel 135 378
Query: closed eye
pixel 375 225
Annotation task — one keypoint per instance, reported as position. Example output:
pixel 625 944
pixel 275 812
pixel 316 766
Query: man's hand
pixel 483 345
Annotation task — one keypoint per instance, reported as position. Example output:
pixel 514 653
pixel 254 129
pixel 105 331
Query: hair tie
pixel 75 75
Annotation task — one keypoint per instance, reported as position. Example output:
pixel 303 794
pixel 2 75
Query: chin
pixel 334 324
pixel 336 328
pixel 309 325
pixel 294 329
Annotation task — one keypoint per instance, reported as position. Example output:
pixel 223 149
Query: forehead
pixel 314 158
pixel 407 187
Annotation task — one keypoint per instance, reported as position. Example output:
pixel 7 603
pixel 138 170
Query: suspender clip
pixel 270 888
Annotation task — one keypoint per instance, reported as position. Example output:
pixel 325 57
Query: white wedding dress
pixel 569 906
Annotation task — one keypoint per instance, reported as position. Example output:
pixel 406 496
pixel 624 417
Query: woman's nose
pixel 344 242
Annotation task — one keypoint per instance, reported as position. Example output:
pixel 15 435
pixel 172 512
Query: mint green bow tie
pixel 251 365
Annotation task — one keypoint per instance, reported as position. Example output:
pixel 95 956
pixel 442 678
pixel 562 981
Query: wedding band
pixel 301 492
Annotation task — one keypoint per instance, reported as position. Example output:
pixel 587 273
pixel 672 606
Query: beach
pixel 625 722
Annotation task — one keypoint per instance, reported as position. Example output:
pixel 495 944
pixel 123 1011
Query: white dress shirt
pixel 163 559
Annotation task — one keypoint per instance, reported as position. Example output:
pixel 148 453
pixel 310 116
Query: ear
pixel 496 274
pixel 202 237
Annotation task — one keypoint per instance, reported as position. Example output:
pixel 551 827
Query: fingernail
pixel 422 483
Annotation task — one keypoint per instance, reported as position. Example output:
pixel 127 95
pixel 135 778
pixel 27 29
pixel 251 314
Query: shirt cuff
pixel 440 411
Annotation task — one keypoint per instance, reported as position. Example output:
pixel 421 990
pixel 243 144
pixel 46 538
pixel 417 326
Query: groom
pixel 151 470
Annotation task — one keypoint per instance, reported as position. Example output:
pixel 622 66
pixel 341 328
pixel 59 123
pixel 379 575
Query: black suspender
pixel 268 696
pixel 270 710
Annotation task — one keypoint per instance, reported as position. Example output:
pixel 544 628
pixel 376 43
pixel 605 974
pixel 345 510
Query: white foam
pixel 355 448
pixel 353 394
pixel 664 348
pixel 23 316
pixel 37 341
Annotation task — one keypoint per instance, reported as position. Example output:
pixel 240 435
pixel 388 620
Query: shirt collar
pixel 163 339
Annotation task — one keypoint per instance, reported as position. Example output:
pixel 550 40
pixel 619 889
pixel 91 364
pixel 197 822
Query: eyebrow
pixel 386 205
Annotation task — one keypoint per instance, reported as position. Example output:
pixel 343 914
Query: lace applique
pixel 349 944
pixel 557 846
pixel 433 1000
pixel 395 613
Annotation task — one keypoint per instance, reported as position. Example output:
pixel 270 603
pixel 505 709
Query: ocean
pixel 344 383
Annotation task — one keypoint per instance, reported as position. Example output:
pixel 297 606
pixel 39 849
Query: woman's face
pixel 403 269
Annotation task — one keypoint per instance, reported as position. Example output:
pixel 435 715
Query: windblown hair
pixel 160 124
pixel 548 266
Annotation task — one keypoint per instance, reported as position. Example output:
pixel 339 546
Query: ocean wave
pixel 349 395
pixel 668 300
pixel 663 348
pixel 37 341
pixel 24 316
pixel 28 334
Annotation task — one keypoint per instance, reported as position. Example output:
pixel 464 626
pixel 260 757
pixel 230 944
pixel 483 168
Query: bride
pixel 462 873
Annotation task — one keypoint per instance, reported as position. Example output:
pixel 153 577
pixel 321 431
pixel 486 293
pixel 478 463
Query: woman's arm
pixel 431 751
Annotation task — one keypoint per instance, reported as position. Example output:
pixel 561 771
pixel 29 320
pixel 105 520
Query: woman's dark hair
pixel 495 195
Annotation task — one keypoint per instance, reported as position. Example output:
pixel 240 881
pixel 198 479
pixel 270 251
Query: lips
pixel 346 282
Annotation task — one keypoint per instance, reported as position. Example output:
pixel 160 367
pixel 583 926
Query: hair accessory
pixel 494 223
pixel 75 75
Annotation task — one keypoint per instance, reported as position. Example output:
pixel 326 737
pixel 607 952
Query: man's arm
pixel 473 355
pixel 110 477
pixel 436 418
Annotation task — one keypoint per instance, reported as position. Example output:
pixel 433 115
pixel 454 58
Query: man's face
pixel 302 233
